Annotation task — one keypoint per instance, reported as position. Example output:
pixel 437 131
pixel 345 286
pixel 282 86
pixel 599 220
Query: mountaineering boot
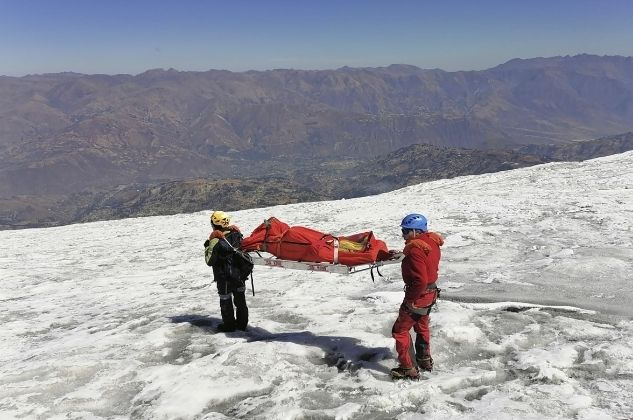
pixel 225 328
pixel 228 317
pixel 425 363
pixel 405 373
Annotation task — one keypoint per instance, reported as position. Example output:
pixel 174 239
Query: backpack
pixel 243 264
pixel 240 263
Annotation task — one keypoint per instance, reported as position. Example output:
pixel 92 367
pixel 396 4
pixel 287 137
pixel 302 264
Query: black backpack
pixel 243 264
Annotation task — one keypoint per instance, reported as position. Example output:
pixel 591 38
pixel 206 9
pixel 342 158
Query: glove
pixel 216 234
pixel 206 243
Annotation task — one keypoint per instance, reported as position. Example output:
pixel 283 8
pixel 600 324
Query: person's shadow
pixel 207 323
pixel 346 353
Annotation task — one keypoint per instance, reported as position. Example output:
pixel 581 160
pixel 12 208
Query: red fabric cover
pixel 299 243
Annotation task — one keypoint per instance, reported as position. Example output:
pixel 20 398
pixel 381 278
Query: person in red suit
pixel 419 273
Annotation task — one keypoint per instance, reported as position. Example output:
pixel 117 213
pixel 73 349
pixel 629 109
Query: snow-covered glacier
pixel 114 320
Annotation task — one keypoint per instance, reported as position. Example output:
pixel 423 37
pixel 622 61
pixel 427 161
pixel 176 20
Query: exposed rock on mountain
pixel 139 200
pixel 423 162
pixel 582 150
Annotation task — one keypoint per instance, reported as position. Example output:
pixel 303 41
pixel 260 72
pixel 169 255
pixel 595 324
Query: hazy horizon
pixel 315 69
pixel 129 38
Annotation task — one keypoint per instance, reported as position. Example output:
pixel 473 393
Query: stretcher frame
pixel 325 267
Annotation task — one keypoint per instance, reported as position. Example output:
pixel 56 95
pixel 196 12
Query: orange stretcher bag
pixel 299 243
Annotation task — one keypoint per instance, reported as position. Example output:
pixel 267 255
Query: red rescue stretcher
pixel 301 248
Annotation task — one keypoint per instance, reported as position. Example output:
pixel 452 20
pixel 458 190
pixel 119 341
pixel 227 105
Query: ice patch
pixel 458 241
pixel 451 285
pixel 469 334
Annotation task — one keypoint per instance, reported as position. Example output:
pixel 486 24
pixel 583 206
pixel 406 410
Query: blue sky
pixel 116 36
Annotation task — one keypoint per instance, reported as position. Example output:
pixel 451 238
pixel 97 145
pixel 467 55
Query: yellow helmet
pixel 220 218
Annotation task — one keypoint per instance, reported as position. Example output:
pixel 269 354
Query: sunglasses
pixel 406 231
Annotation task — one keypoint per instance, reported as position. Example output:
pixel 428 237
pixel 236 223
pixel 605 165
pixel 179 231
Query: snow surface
pixel 115 319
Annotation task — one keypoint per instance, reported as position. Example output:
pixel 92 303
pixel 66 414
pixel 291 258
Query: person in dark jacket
pixel 419 273
pixel 219 253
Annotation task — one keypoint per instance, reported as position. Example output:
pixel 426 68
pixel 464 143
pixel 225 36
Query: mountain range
pixel 67 132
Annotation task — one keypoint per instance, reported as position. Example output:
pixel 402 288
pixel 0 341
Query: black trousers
pixel 233 292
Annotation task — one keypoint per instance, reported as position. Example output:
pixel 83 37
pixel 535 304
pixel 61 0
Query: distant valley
pixel 304 181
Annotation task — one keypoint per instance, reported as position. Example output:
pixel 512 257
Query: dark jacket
pixel 219 253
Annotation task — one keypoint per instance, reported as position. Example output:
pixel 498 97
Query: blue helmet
pixel 414 221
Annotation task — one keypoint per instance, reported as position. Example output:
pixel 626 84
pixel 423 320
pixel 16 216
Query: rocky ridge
pixel 307 180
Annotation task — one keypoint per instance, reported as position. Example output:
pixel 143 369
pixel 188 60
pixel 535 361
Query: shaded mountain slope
pixel 305 180
pixel 583 150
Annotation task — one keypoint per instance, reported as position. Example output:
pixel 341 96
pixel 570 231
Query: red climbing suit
pixel 419 272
